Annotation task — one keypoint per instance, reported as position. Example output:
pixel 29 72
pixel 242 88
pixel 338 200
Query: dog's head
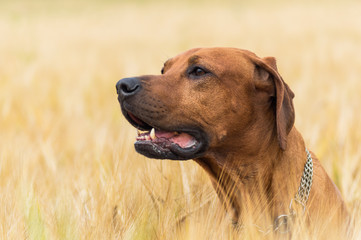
pixel 205 99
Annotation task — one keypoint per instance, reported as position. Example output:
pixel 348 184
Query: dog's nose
pixel 128 86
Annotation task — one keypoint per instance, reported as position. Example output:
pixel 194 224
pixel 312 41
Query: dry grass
pixel 68 169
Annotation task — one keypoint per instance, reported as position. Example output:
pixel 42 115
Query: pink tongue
pixel 184 140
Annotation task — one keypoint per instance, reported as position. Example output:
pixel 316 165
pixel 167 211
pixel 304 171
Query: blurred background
pixel 68 169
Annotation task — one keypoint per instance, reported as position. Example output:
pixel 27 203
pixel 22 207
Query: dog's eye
pixel 197 71
pixel 162 71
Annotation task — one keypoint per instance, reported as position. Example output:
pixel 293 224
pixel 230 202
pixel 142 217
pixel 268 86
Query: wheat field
pixel 68 168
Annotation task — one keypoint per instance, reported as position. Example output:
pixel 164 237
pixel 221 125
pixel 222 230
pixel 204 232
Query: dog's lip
pixel 134 120
pixel 137 122
pixel 172 150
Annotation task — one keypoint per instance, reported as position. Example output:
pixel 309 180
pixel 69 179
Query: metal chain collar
pixel 283 222
pixel 306 182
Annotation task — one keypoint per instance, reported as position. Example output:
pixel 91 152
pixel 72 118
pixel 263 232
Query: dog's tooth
pixel 152 134
pixel 147 137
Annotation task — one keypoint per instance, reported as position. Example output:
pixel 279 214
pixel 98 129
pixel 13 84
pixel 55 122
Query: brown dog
pixel 232 113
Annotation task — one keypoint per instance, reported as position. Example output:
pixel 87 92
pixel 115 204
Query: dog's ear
pixel 271 82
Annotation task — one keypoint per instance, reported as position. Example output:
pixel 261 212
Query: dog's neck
pixel 244 180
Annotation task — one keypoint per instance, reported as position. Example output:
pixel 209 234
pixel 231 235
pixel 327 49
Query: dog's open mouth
pixel 165 139
pixel 176 144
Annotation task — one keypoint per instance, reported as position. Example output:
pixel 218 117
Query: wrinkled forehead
pixel 215 59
